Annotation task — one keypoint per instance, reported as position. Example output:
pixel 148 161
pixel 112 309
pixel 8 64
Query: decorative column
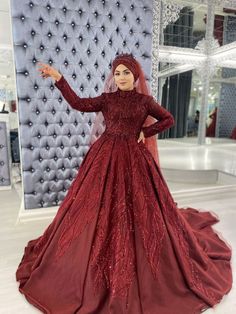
pixel 206 71
pixel 164 12
pixel 155 46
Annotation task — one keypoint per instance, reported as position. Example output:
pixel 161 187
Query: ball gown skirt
pixel 119 244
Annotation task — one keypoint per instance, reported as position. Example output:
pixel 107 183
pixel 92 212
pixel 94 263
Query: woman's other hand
pixel 141 137
pixel 48 71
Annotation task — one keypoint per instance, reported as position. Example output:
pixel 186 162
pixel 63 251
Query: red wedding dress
pixel 118 243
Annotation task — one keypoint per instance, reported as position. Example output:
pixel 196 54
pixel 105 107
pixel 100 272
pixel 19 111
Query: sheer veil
pixel 141 87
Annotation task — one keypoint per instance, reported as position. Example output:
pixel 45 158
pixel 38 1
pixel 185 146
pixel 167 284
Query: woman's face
pixel 124 78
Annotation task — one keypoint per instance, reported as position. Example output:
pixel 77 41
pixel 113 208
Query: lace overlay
pixel 187 244
pixel 148 213
pixel 118 164
pixel 181 233
pixel 85 203
pixel 118 242
pixel 112 256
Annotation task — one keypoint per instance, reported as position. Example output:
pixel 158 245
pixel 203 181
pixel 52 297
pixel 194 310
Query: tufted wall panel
pixel 80 38
pixel 4 163
pixel 227 107
pixel 227 113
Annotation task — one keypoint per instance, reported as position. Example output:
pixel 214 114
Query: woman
pixel 118 243
pixel 211 129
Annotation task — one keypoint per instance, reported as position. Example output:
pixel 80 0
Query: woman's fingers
pixel 42 69
pixel 42 66
pixel 45 75
pixel 45 70
pixel 141 138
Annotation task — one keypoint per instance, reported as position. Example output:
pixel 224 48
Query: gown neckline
pixel 126 93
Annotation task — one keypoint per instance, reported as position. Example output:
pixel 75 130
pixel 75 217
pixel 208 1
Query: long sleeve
pixel 164 117
pixel 90 104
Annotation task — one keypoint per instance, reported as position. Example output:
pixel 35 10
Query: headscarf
pixel 129 62
pixel 141 87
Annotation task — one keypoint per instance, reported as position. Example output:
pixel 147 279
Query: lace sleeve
pixel 90 104
pixel 164 117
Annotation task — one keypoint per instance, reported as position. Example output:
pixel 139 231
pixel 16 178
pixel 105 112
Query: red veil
pixel 141 87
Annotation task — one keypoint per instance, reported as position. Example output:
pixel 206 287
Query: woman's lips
pixel 122 83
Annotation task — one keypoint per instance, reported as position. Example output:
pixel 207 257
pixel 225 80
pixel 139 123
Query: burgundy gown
pixel 211 129
pixel 118 243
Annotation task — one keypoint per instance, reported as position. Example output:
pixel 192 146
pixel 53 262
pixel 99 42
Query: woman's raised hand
pixel 48 71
